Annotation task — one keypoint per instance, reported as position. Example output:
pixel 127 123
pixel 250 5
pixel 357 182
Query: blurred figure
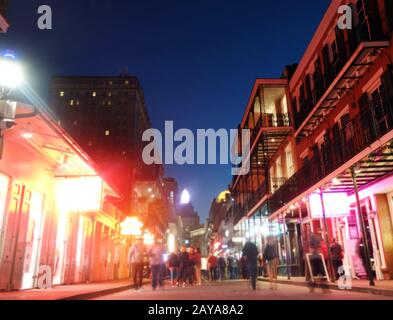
pixel 212 263
pixel 204 269
pixel 250 254
pixel 222 267
pixel 183 266
pixel 337 254
pixel 243 268
pixel 230 268
pixel 156 254
pixel 260 266
pixel 136 257
pixel 317 247
pixel 270 256
pixel 173 265
pixel 197 258
pixel 235 266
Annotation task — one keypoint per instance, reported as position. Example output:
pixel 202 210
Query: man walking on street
pixel 250 254
pixel 156 254
pixel 135 258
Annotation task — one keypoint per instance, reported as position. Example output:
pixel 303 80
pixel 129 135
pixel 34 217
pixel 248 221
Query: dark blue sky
pixel 196 60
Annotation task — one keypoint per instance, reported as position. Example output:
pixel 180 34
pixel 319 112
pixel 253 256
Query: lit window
pixel 62 94
pixel 71 102
pixel 109 94
pixel 107 133
pixel 110 82
pixel 77 102
pixel 109 103
pixel 94 94
pixel 127 82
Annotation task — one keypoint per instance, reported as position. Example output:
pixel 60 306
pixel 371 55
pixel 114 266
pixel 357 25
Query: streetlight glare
pixel 185 197
pixel 11 74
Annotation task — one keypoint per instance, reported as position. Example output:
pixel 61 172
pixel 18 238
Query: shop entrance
pixel 22 233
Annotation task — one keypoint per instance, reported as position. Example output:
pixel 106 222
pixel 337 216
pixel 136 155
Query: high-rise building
pixel 107 117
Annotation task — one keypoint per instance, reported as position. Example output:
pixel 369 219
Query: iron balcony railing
pixel 373 122
pixel 323 81
pixel 270 120
pixel 277 182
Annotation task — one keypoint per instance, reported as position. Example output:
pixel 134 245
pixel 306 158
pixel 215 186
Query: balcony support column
pixel 326 237
pixel 364 231
pixel 287 254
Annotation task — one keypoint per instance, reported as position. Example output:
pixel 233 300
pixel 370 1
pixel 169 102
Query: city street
pixel 239 290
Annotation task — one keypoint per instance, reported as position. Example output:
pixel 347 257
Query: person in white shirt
pixel 204 268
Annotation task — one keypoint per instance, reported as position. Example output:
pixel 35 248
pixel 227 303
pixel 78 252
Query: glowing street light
pixel 11 74
pixel 185 197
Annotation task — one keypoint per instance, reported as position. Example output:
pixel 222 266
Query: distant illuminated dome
pixel 185 197
pixel 222 197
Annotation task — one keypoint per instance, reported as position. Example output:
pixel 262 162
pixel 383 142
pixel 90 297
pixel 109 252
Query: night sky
pixel 196 60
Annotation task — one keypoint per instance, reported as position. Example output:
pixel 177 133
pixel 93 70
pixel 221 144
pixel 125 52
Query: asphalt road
pixel 240 290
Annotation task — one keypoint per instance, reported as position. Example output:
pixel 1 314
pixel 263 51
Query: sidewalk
pixel 384 287
pixel 70 292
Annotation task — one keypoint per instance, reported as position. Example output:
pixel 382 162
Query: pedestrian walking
pixel 135 258
pixel 173 265
pixel 157 264
pixel 204 269
pixel 222 267
pixel 212 265
pixel 183 267
pixel 270 256
pixel 197 258
pixel 337 255
pixel 250 254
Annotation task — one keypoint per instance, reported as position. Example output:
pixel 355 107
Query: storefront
pixel 51 201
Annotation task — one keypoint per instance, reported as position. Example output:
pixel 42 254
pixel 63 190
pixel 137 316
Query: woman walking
pixel 183 267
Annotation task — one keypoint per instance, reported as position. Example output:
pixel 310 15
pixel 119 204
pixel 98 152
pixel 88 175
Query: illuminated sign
pixel 336 205
pixel 131 226
pixel 80 194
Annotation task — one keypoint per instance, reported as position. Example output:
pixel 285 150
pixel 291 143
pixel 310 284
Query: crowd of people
pixel 188 267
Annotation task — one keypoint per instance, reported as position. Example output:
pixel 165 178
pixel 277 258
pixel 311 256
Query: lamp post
pixel 11 76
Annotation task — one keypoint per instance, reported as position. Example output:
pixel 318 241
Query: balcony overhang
pixel 363 58
pixel 373 164
pixel 370 169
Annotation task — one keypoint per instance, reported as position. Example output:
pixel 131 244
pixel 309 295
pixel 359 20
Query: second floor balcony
pixel 371 128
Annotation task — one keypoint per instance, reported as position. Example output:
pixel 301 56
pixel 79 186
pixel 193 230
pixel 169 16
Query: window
pixel 72 102
pixel 94 94
pixel 61 93
pixel 107 133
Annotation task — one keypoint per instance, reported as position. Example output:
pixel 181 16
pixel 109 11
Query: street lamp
pixel 11 74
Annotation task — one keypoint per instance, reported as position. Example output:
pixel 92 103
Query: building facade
pixel 107 117
pixel 321 148
pixel 57 214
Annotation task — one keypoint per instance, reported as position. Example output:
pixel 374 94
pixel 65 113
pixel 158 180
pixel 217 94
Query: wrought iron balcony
pixel 355 57
pixel 370 125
